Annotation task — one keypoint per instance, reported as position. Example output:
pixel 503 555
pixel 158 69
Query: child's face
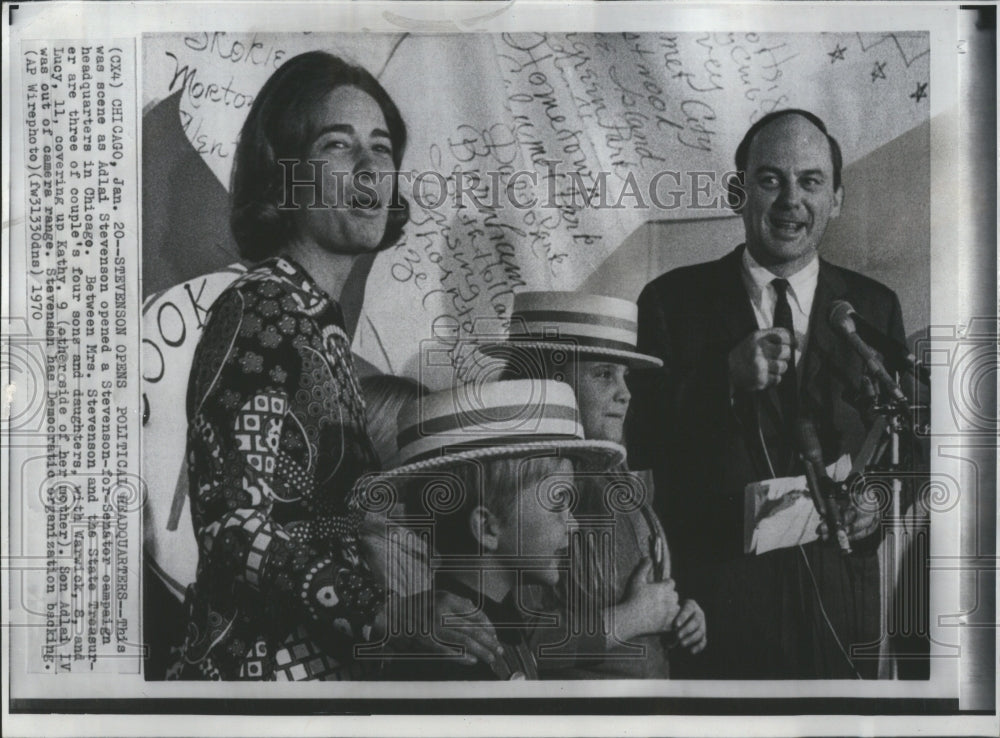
pixel 539 528
pixel 603 398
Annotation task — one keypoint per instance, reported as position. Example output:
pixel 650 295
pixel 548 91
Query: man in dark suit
pixel 747 350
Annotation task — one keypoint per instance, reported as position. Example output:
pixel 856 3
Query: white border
pixel 108 20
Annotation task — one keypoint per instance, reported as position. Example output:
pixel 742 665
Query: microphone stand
pixel 890 663
pixel 892 418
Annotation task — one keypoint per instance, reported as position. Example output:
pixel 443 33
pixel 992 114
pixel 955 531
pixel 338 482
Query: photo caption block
pixel 81 501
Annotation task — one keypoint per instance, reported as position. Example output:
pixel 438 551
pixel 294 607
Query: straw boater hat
pixel 587 326
pixel 491 420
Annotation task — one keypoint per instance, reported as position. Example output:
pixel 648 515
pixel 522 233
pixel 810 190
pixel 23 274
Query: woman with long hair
pixel 277 434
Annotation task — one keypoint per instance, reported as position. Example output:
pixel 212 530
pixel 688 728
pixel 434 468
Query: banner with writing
pixel 220 74
pixel 533 156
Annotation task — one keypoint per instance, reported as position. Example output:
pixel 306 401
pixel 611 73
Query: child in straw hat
pixel 620 584
pixel 483 470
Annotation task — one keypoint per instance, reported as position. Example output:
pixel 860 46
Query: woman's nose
pixel 364 161
pixel 366 177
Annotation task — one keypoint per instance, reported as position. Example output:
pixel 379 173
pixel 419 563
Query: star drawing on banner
pixel 921 92
pixel 837 54
pixel 878 71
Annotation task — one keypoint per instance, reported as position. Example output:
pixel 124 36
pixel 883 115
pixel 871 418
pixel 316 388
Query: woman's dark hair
pixel 279 127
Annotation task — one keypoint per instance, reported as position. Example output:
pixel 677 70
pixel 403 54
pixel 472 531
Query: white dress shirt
pixel 763 297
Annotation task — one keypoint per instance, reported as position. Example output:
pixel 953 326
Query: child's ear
pixel 485 528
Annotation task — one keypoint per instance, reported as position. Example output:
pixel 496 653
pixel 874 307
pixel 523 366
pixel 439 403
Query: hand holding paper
pixel 780 513
pixel 859 520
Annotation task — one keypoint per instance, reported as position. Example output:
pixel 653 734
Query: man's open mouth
pixel 786 227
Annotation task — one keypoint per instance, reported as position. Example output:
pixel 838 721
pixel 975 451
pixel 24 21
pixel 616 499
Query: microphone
pixel 820 485
pixel 842 322
pixel 895 352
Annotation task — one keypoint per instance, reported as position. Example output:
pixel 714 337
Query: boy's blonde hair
pixel 385 396
pixel 451 494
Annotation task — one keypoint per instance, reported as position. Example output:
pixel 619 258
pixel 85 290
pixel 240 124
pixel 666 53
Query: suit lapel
pixel 737 320
pixel 822 349
pixel 734 311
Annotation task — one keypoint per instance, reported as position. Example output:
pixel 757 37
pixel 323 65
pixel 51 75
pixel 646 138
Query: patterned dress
pixel 276 439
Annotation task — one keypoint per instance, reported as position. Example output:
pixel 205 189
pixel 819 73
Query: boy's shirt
pixel 619 504
pixel 517 661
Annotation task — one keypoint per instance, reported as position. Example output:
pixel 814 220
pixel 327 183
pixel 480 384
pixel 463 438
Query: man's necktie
pixel 788 387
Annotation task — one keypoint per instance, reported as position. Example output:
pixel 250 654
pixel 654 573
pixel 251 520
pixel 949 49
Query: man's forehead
pixel 790 139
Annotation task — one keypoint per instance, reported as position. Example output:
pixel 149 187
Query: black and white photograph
pixel 630 360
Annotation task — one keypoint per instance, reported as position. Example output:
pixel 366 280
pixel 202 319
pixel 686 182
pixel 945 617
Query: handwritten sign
pixel 533 156
pixel 172 323
pixel 221 73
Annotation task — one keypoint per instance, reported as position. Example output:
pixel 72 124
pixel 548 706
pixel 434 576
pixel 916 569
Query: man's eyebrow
pixel 765 168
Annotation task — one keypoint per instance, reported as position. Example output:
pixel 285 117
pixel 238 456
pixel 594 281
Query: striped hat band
pixel 581 329
pixel 586 320
pixel 488 415
pixel 586 325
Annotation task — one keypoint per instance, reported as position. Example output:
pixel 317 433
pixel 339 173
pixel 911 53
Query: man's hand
pixel 689 627
pixel 760 359
pixel 859 520
pixel 648 606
